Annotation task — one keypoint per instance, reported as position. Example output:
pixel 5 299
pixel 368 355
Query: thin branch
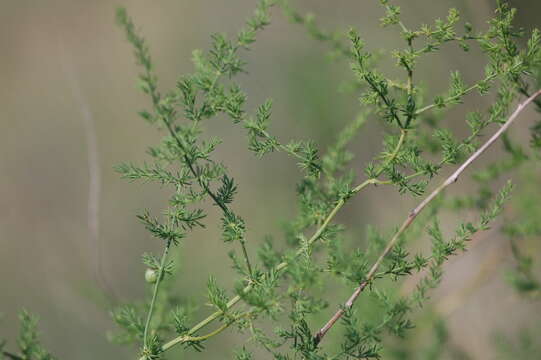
pixel 205 187
pixel 413 214
pixel 402 26
pixel 281 266
pixel 189 338
pixel 314 30
pixel 145 60
pixel 475 86
pixel 459 95
pixel 289 151
pixel 155 293
pixel 11 355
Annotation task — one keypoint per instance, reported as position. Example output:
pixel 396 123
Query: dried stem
pixel 413 214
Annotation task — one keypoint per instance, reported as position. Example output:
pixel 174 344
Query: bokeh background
pixel 68 104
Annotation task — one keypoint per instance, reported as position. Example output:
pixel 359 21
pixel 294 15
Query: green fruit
pixel 151 276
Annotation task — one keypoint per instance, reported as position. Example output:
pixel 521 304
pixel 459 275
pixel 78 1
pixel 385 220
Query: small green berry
pixel 151 276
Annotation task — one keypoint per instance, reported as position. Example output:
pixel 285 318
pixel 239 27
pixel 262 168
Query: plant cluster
pixel 286 286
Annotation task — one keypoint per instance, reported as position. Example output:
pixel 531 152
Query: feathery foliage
pixel 291 282
pixel 287 286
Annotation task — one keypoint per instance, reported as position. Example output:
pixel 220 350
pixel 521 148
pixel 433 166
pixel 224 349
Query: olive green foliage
pixel 286 287
pixel 28 342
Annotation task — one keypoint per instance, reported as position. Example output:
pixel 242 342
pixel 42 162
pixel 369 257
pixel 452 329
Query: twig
pixel 205 187
pixel 281 266
pixel 11 355
pixel 457 96
pixel 402 26
pixel 413 214
pixel 161 273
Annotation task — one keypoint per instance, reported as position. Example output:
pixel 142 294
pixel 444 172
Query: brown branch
pixel 413 214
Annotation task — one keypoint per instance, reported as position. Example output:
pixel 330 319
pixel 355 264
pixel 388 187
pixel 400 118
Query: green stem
pixel 404 28
pixel 246 258
pixel 314 30
pixel 288 151
pixel 188 338
pixel 205 187
pixel 155 294
pixel 281 266
pixel 392 157
pixel 458 96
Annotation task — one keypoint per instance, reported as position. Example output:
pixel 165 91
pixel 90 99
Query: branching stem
pixel 189 338
pixel 281 266
pixel 413 214
pixel 402 26
pixel 461 94
pixel 205 187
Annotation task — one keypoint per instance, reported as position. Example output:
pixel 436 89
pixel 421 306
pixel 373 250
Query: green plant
pixel 28 341
pixel 287 287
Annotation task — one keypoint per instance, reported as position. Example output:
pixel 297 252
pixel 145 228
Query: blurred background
pixel 68 103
